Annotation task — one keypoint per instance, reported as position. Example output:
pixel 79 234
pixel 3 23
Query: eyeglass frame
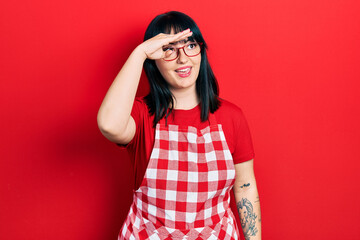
pixel 178 49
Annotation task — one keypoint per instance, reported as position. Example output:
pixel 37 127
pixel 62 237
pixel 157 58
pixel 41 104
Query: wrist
pixel 140 53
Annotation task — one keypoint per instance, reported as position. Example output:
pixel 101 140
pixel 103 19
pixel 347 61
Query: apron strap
pixel 164 120
pixel 211 119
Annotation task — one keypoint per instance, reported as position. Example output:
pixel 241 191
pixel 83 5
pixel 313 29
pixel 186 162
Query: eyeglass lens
pixel 191 49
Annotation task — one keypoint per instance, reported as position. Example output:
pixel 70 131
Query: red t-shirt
pixel 230 116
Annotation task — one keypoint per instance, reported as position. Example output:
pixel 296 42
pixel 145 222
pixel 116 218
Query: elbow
pixel 106 130
pixel 107 127
pixel 114 131
pixel 111 133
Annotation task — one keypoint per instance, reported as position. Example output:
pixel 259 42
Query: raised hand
pixel 114 118
pixel 153 47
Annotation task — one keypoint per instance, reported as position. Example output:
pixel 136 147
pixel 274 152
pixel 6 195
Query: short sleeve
pixel 136 113
pixel 243 145
pixel 140 147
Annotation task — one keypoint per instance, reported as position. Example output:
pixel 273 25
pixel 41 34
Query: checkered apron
pixel 185 193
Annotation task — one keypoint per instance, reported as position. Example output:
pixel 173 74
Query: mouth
pixel 184 71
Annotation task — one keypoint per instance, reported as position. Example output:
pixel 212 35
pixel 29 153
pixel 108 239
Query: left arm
pixel 247 200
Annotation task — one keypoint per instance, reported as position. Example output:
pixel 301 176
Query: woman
pixel 189 147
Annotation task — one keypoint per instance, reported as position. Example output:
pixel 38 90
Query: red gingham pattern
pixel 186 187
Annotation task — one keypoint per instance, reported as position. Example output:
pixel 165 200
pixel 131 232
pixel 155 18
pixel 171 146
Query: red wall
pixel 292 66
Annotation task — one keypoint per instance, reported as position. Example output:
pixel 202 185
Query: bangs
pixel 172 23
pixel 168 27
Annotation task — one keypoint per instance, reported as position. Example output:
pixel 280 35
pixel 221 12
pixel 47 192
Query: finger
pixel 184 31
pixel 181 35
pixel 171 38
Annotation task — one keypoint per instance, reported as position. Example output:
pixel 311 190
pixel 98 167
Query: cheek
pixel 163 68
pixel 198 61
pixel 158 65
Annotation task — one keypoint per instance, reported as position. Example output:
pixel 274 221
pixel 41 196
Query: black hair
pixel 160 99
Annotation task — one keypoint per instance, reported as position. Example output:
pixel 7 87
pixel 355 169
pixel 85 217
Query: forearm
pixel 114 112
pixel 248 205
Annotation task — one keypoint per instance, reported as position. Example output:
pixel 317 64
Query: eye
pixel 192 45
pixel 168 48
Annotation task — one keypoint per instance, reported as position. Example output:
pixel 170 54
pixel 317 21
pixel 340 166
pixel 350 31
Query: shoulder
pixel 140 110
pixel 140 101
pixel 140 105
pixel 230 116
pixel 228 109
pixel 236 131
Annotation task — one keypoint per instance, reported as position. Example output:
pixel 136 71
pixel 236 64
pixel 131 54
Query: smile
pixel 183 72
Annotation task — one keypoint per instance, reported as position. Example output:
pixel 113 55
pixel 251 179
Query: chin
pixel 184 83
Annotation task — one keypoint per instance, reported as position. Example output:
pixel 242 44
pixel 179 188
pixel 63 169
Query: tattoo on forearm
pixel 245 185
pixel 247 217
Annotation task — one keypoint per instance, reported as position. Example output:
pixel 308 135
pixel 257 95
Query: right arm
pixel 114 119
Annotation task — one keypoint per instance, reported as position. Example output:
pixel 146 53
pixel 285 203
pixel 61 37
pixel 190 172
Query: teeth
pixel 183 70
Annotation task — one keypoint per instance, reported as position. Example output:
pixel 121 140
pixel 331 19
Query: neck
pixel 185 98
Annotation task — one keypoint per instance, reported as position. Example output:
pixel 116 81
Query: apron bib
pixel 185 193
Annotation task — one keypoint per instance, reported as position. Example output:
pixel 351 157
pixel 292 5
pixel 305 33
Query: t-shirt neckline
pixel 197 107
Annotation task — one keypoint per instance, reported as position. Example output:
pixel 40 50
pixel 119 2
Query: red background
pixel 292 66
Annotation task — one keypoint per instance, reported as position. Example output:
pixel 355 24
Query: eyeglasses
pixel 191 49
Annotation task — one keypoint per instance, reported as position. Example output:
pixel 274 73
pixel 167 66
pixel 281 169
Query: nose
pixel 182 58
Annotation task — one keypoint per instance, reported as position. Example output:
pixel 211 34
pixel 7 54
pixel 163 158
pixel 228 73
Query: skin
pixel 114 118
pixel 183 89
pixel 247 200
pixel 118 126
